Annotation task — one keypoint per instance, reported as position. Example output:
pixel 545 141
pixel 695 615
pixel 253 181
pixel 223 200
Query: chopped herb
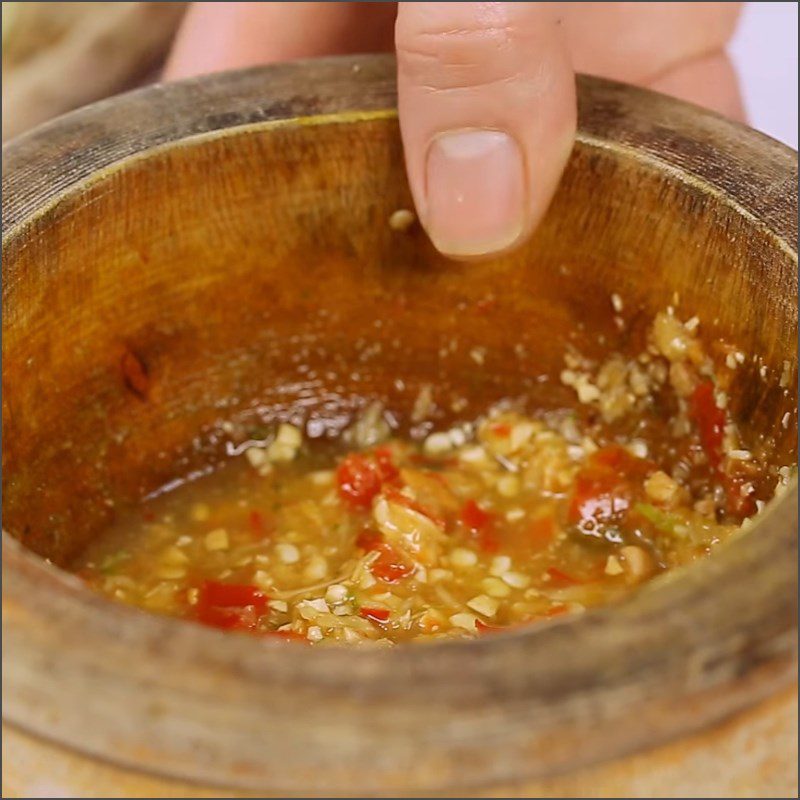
pixel 110 563
pixel 660 519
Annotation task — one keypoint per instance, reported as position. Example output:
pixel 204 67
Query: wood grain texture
pixel 220 248
pixel 753 754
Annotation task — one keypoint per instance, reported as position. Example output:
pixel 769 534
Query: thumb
pixel 487 114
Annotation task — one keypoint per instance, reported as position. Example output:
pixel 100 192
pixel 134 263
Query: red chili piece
pixel 359 481
pixel 259 525
pixel 386 467
pixel 474 517
pixel 485 305
pixel 500 429
pixel 598 496
pixel 390 566
pixel 134 372
pixel 738 504
pixel 710 421
pixel 561 578
pixel 230 605
pixel 482 627
pixel 481 523
pixel 368 540
pixel 374 614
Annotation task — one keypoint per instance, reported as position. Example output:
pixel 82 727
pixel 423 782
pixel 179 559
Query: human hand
pixel 485 89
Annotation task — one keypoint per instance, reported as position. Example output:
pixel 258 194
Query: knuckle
pixel 458 58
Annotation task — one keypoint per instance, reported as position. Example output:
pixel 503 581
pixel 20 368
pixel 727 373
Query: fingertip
pixel 476 192
pixel 487 113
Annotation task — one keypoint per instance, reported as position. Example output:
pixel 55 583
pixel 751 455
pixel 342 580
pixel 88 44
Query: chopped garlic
pixel 289 435
pixel 256 456
pixel 500 565
pixel 423 403
pixel 613 567
pixel 458 437
pixel 287 553
pixel 314 633
pixel 638 561
pixel 478 355
pixel 509 485
pixel 262 580
pixel 587 392
pixel 171 573
pixel 173 556
pixel 638 448
pixel 520 435
pixel 311 609
pixel 487 606
pixel 518 580
pixel 437 443
pixel 785 378
pixel 464 620
pixel 316 569
pixel 691 324
pixel 278 452
pixel 401 220
pixel 367 580
pixel 474 455
pixel 494 587
pixel 336 593
pixel 217 539
pixel 461 558
pixel 661 488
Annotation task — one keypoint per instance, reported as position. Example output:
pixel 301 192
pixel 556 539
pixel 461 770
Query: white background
pixel 765 53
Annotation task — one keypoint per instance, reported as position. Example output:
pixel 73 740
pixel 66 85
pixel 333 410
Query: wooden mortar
pixel 219 248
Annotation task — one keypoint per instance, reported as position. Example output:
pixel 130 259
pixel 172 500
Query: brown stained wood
pixel 742 757
pixel 134 373
pixel 231 234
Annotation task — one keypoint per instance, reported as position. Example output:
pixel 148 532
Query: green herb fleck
pixel 111 562
pixel 658 518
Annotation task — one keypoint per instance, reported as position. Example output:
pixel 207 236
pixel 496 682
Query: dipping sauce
pixel 511 519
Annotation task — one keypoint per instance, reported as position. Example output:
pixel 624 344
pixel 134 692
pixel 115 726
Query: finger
pixel 219 36
pixel 709 81
pixel 487 114
pixel 639 42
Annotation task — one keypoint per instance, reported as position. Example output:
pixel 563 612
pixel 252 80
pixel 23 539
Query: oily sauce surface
pixel 510 519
